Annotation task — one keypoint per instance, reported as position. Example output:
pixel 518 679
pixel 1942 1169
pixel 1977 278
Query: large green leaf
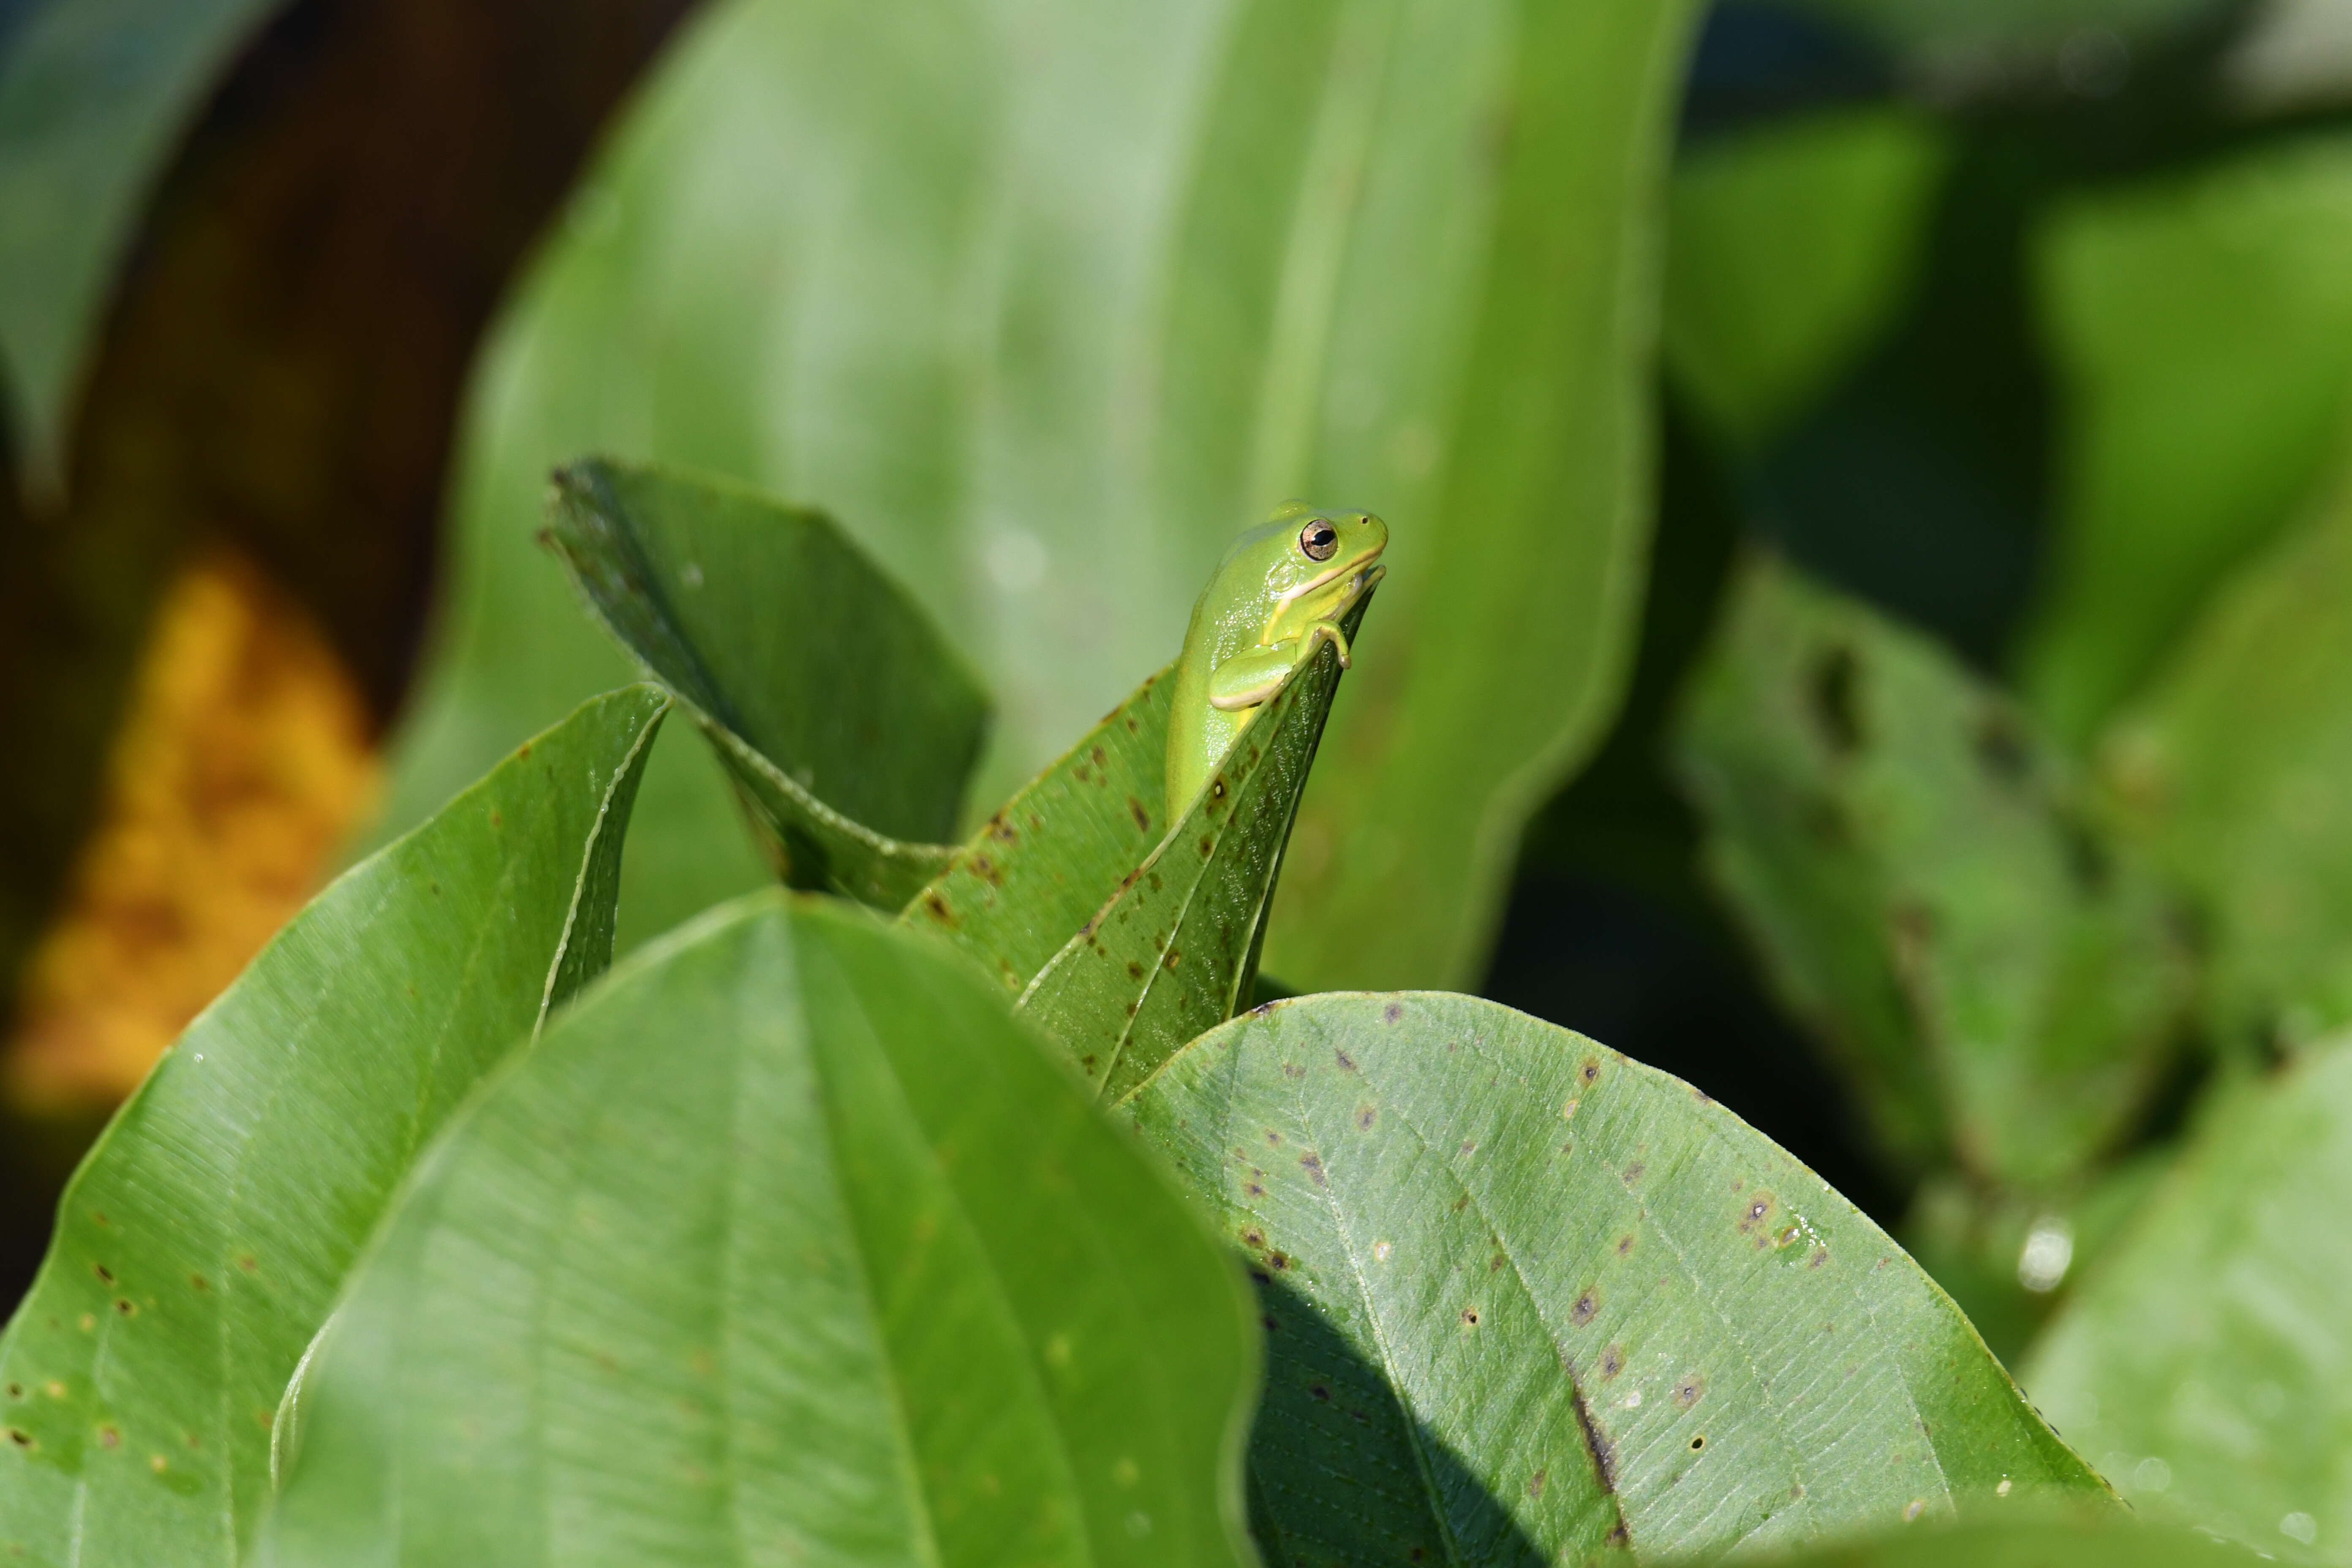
pixel 848 726
pixel 2201 1363
pixel 94 95
pixel 1047 304
pixel 2202 328
pixel 2030 1541
pixel 1791 247
pixel 2233 766
pixel 788 1244
pixel 204 1239
pixel 1927 886
pixel 1518 1287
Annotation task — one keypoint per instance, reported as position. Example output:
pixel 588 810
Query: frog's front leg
pixel 1249 678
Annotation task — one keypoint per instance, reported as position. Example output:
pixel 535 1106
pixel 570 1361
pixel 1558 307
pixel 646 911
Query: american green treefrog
pixel 1277 597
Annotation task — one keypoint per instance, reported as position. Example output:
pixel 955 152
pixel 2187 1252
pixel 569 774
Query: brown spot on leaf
pixel 1254 1237
pixel 1586 1306
pixel 1821 1256
pixel 1134 970
pixel 1632 1173
pixel 1320 1391
pixel 1345 1060
pixel 1312 1164
pixel 1624 1243
pixel 1536 1483
pixel 1690 1390
pixel 109 1437
pixel 1470 1316
pixel 1142 817
pixel 103 1272
pixel 1612 1361
pixel 1365 1117
pixel 988 870
pixel 1591 1071
pixel 937 908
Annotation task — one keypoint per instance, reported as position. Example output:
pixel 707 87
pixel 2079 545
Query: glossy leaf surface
pixel 2199 1366
pixel 1928 886
pixel 848 725
pixel 2201 326
pixel 2233 766
pixel 1533 1301
pixel 207 1235
pixel 1047 305
pixel 789 1243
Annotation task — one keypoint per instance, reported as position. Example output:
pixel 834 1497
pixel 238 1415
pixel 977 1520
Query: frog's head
pixel 1315 562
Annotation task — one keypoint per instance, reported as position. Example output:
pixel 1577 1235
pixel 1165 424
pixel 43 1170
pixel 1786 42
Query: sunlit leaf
pixel 1051 857
pixel 848 726
pixel 1527 1299
pixel 1174 950
pixel 205 1237
pixel 1989 1540
pixel 787 1244
pixel 1928 888
pixel 2200 1366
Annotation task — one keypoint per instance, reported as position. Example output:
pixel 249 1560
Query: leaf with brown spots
pixel 1192 915
pixel 1679 1389
pixel 207 1235
pixel 848 725
pixel 1930 888
pixel 1056 850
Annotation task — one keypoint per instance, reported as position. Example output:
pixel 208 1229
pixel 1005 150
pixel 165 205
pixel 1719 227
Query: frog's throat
pixel 1332 574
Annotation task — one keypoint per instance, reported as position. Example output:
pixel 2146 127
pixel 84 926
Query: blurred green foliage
pixel 1988 703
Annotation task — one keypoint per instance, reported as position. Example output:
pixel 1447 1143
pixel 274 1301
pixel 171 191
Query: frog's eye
pixel 1318 539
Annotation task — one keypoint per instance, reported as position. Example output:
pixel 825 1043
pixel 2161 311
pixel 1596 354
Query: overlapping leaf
pixel 2201 1363
pixel 1530 1296
pixel 788 1244
pixel 204 1241
pixel 849 727
pixel 1928 888
pixel 1175 950
pixel 1047 305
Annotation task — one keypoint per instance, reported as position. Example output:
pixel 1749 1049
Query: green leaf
pixel 204 1239
pixel 787 1244
pixel 2201 327
pixel 94 96
pixel 1175 950
pixel 1927 888
pixel 2031 1541
pixel 2200 1363
pixel 848 725
pixel 1048 308
pixel 1791 248
pixel 1052 856
pixel 2233 766
pixel 1520 1287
